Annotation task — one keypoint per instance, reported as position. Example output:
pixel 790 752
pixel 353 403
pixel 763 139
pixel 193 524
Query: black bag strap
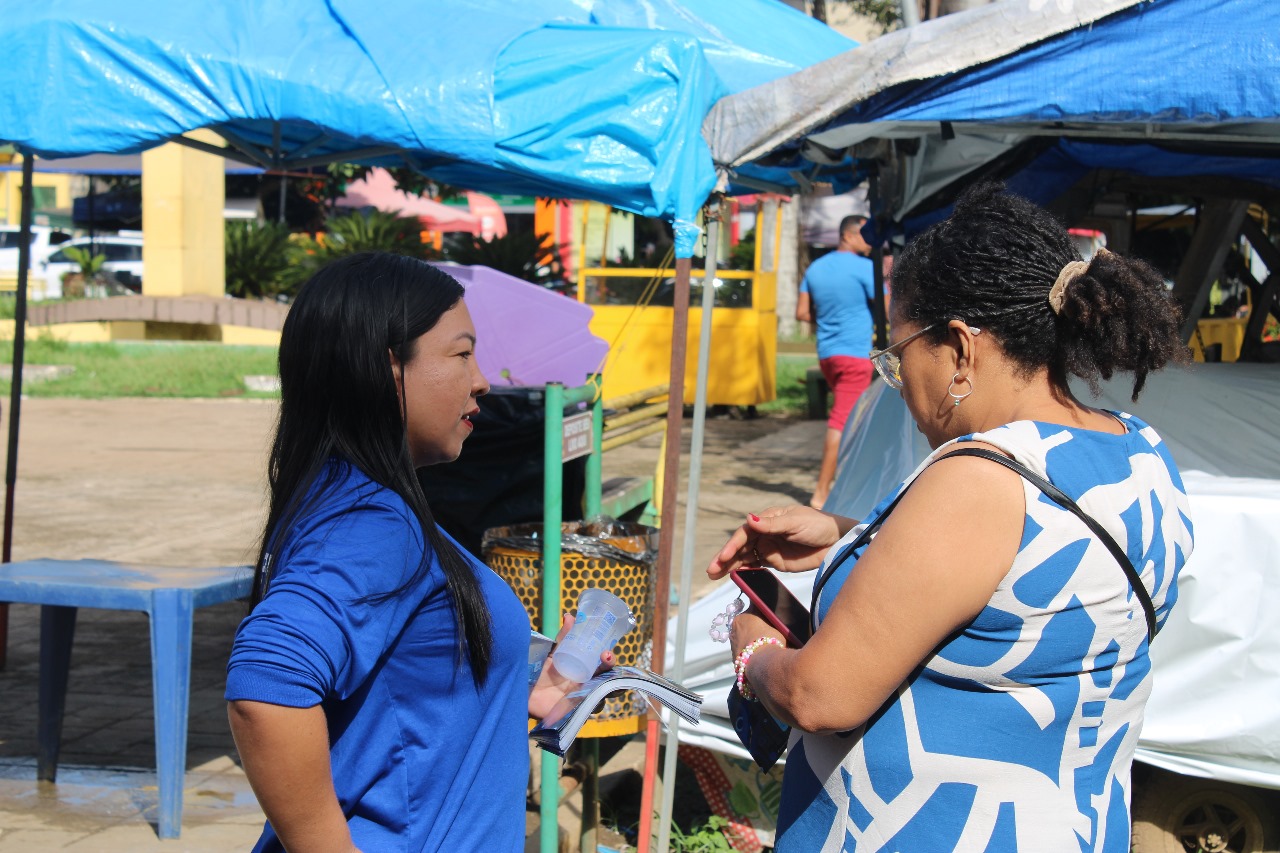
pixel 1061 499
pixel 852 548
pixel 1053 492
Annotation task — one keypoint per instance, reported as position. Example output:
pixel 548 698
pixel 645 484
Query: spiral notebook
pixel 559 729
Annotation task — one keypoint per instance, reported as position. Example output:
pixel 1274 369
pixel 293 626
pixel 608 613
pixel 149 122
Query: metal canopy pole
pixel 15 384
pixel 879 317
pixel 667 528
pixel 556 398
pixel 690 518
pixel 552 507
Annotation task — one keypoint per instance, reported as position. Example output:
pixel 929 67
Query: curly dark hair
pixel 991 264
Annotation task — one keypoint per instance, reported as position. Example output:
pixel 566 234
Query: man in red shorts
pixel 837 293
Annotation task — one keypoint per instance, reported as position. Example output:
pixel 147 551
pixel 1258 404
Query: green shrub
pixel 708 838
pixel 90 264
pixel 375 231
pixel 258 258
pixel 350 233
pixel 522 255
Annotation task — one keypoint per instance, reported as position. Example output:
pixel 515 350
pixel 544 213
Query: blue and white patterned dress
pixel 1019 732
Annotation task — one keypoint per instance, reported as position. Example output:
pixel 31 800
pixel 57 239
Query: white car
pixel 123 262
pixel 44 240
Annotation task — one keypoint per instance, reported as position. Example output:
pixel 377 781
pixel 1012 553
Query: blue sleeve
pixel 804 284
pixel 868 278
pixel 313 636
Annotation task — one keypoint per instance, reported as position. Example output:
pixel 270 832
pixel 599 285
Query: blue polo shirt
pixel 423 758
pixel 841 286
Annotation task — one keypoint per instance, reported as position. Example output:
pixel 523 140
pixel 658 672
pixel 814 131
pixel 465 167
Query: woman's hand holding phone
pixel 788 538
pixel 773 602
pixel 748 627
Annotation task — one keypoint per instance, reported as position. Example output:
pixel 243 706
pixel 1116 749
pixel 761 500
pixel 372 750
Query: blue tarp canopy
pixel 557 98
pixel 1188 87
pixel 1167 62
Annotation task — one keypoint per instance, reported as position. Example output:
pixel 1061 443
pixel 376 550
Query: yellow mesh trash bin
pixel 611 555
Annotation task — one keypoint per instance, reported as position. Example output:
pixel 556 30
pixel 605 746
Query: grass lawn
pixel 181 369
pixel 143 369
pixel 792 399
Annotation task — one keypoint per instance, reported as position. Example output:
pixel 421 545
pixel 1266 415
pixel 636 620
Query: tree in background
pixel 887 14
pixel 532 257
pixel 408 181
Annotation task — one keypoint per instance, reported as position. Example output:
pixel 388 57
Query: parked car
pixel 123 262
pixel 44 240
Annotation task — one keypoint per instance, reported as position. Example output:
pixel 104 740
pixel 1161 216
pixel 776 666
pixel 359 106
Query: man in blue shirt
pixel 837 293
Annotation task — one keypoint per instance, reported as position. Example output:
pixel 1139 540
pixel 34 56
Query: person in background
pixel 836 294
pixel 378 690
pixel 980 666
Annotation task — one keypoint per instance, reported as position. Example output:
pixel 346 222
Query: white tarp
pixel 1215 708
pixel 1215 705
pixel 752 123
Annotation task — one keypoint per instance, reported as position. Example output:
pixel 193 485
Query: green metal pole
pixel 594 461
pixel 552 499
pixel 591 748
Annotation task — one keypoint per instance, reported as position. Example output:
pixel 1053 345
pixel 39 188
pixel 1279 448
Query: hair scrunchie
pixel 1069 273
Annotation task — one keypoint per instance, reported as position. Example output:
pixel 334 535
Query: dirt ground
pixel 181 483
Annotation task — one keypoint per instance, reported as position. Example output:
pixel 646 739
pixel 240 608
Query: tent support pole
pixel 1218 228
pixel 690 517
pixel 879 317
pixel 667 525
pixel 1265 293
pixel 15 385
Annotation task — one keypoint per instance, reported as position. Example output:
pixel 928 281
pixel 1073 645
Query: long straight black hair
pixel 339 400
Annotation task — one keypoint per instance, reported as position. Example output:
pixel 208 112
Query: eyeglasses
pixel 887 363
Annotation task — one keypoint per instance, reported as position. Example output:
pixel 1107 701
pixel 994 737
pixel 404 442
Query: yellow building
pixel 50 192
pixel 633 308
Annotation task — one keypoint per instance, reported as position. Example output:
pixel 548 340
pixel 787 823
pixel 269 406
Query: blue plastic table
pixel 169 596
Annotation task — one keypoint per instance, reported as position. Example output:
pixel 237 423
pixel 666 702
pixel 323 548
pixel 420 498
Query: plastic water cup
pixel 602 620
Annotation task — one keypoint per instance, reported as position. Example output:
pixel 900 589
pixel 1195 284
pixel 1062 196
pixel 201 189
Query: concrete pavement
pixel 181 483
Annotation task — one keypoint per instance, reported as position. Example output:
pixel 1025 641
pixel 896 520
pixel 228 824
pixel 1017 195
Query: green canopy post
pixel 557 398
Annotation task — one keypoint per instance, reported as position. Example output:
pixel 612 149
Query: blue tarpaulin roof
pixel 1192 81
pixel 1162 61
pixel 557 98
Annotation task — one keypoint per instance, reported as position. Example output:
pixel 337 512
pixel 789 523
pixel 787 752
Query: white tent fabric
pixel 1216 663
pixel 750 124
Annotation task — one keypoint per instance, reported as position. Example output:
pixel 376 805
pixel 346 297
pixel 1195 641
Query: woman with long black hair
pixel 378 690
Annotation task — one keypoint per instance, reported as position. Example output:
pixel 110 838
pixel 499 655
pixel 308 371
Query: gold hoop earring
pixel 951 388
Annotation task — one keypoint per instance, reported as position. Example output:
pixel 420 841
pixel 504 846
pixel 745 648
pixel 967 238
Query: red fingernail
pixel 753 516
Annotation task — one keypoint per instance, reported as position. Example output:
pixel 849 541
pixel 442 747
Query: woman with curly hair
pixel 978 673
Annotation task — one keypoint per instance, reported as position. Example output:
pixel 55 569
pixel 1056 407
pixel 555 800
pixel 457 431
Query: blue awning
pixel 556 98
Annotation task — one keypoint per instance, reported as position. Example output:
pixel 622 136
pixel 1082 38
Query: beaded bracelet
pixel 740 665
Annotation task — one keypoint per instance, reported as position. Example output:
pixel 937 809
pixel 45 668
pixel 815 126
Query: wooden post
pixel 1265 293
pixel 1220 222
pixel 879 317
pixel 666 543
